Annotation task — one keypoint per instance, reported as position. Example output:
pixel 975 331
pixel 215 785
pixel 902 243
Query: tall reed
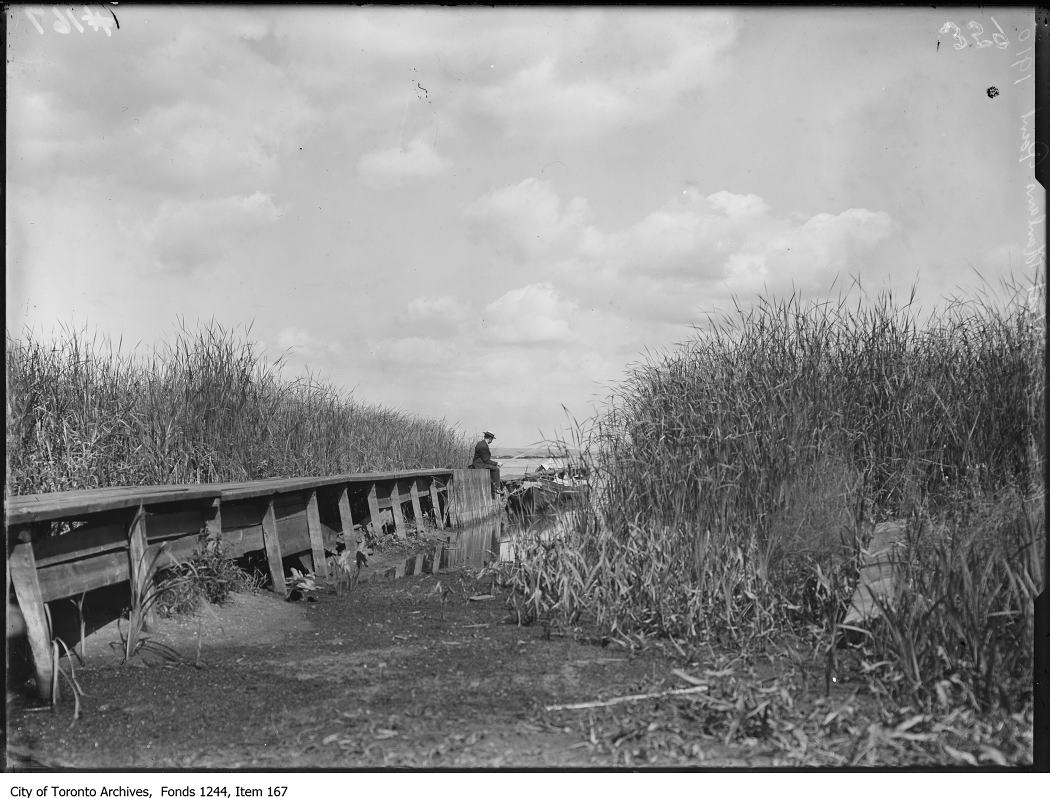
pixel 726 470
pixel 204 407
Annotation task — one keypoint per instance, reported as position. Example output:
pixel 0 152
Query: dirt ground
pixel 388 676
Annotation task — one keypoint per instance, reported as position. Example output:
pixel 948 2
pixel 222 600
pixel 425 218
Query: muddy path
pixel 389 676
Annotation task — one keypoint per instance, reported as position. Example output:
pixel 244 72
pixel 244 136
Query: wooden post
pixel 395 508
pixel 273 549
pixel 414 494
pixel 373 511
pixel 346 520
pixel 140 569
pixel 313 523
pixel 21 567
pixel 435 499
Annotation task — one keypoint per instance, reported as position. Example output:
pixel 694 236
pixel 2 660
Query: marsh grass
pixel 209 576
pixel 206 406
pixel 731 472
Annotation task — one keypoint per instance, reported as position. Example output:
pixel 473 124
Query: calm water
pixel 495 539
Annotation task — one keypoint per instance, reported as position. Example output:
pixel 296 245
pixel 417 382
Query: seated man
pixel 483 459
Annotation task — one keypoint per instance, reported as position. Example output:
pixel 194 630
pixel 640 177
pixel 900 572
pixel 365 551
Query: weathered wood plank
pixel 71 505
pixel 346 520
pixel 181 523
pixel 75 504
pixel 435 501
pixel 241 540
pixel 395 508
pixel 413 493
pixel 313 521
pixel 373 508
pixel 79 576
pixel 86 541
pixel 272 543
pixel 21 569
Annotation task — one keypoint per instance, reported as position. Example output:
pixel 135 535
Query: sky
pixel 486 215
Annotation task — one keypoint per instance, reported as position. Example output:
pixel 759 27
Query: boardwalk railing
pixel 61 545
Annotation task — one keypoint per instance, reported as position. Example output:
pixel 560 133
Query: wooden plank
pixel 242 514
pixel 272 544
pixel 172 552
pixel 313 521
pixel 140 569
pixel 238 542
pixel 373 508
pixel 435 499
pixel 879 572
pixel 413 492
pixel 75 504
pixel 21 569
pixel 182 523
pixel 395 508
pixel 86 541
pixel 346 520
pixel 73 578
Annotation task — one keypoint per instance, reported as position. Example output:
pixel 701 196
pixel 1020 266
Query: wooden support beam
pixel 140 566
pixel 21 568
pixel 413 492
pixel 346 520
pixel 313 523
pixel 373 510
pixel 395 508
pixel 273 549
pixel 435 499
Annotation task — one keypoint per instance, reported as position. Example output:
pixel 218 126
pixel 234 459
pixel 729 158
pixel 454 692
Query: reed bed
pixel 737 477
pixel 206 406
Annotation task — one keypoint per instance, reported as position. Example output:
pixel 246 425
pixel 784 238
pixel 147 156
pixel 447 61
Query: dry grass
pixel 735 477
pixel 206 407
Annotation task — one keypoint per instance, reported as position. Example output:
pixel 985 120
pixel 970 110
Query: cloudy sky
pixel 484 215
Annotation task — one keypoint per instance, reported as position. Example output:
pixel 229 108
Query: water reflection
pixel 498 537
pixel 487 541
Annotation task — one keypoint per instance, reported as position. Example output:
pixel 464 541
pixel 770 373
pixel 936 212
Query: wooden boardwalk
pixel 61 545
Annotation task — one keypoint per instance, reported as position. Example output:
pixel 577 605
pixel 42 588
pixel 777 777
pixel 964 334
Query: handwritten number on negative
pixel 94 18
pixel 60 24
pixel 950 27
pixel 959 40
pixel 978 29
pixel 999 38
pixel 32 13
pixel 64 23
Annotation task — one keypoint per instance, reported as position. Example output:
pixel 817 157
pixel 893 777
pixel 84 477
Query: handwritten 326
pixel 65 22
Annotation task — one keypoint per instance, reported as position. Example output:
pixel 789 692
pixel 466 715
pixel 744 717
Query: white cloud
pixel 393 166
pixel 432 317
pixel 527 219
pixel 693 251
pixel 302 343
pixel 609 68
pixel 528 315
pixel 188 235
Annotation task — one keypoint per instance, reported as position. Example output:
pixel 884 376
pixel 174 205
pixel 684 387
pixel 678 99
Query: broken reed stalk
pixel 628 698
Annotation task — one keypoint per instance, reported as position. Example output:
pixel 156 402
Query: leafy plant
pixel 727 472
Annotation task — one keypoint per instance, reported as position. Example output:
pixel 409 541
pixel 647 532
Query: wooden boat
pixel 530 496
